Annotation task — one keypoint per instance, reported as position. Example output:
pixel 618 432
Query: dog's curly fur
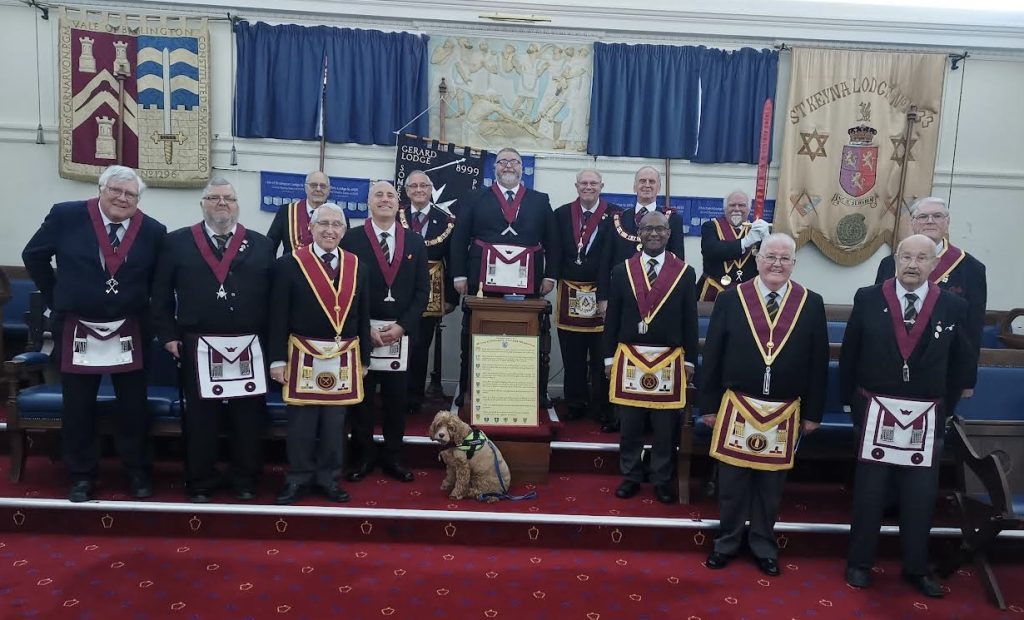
pixel 467 478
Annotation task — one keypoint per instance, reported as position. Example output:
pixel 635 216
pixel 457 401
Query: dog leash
pixel 504 490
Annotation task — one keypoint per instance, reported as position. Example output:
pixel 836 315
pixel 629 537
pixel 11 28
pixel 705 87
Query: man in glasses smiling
pixel 106 249
pixel 290 228
pixel 956 271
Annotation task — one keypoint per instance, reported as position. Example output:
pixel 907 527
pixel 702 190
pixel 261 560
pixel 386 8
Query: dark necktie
pixel 384 247
pixel 421 223
pixel 652 271
pixel 509 196
pixel 328 260
pixel 910 313
pixel 640 213
pixel 586 218
pixel 114 228
pixel 222 241
pixel 773 305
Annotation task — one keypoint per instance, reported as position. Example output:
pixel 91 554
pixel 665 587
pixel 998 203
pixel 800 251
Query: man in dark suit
pixel 396 263
pixel 218 272
pixel 435 226
pixel 99 297
pixel 320 343
pixel 650 344
pixel 726 244
pixel 290 228
pixel 501 227
pixel 905 361
pixel 955 271
pixel 584 229
pixel 762 384
pixel 647 185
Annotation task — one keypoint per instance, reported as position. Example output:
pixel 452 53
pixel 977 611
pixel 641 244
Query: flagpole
pixel 435 372
pixel 323 119
pixel 912 117
pixel 442 90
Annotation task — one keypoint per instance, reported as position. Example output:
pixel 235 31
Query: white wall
pixel 985 180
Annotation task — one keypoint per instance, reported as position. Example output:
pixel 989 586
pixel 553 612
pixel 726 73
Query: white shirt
pixel 921 292
pixel 377 230
pixel 414 213
pixel 591 211
pixel 763 289
pixel 319 252
pixel 210 232
pixel 506 190
pixel 641 210
pixel 645 260
pixel 940 246
pixel 106 230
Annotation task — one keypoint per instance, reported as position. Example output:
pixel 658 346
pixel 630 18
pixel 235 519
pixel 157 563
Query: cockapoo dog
pixel 469 459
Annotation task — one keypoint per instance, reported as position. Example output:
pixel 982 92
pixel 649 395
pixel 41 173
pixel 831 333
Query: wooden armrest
pixel 988 469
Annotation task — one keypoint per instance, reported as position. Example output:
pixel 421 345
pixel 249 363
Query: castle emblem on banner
pixel 859 166
pixel 135 91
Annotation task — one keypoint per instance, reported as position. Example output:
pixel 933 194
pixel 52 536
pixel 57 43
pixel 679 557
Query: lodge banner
pixel 844 144
pixel 453 170
pixel 135 90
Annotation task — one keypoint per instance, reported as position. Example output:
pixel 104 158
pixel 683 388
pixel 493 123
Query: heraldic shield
pixel 229 367
pixel 323 372
pixel 648 377
pixel 756 433
pixel 859 166
pixel 899 431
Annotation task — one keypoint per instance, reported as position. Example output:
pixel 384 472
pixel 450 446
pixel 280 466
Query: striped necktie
pixel 910 313
pixel 773 305
pixel 114 228
pixel 384 247
pixel 652 271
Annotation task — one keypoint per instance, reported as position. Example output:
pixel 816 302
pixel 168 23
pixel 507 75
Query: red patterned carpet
pixel 157 577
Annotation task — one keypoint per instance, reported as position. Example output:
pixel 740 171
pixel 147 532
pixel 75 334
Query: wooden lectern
pixel 527 451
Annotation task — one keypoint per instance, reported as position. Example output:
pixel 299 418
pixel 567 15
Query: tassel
pixel 216 371
pixel 126 345
pixel 245 368
pixel 80 345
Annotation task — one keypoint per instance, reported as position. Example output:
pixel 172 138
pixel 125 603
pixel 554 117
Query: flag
pixel 135 90
pixel 454 170
pixel 845 143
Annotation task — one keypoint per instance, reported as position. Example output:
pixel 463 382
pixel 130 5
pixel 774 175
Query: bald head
pixel 915 260
pixel 383 199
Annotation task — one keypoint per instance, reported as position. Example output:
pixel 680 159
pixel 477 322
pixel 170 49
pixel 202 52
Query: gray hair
pixel 328 206
pixel 592 170
pixel 928 200
pixel 217 182
pixel 121 173
pixel 783 238
pixel 418 172
pixel 636 175
pixel 725 201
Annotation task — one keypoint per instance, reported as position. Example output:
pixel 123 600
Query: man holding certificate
pixel 907 356
pixel 650 343
pixel 219 273
pixel 763 383
pixel 399 286
pixel 320 343
pixel 505 242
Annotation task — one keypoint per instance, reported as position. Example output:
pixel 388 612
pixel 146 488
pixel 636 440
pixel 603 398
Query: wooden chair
pixel 990 494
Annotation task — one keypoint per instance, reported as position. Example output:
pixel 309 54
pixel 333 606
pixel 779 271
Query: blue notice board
pixel 695 209
pixel 281 188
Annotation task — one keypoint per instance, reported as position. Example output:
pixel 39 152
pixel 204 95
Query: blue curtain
pixel 644 101
pixel 376 83
pixel 734 86
pixel 278 84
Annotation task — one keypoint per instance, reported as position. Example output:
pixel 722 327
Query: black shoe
pixel 611 426
pixel 140 486
pixel 291 493
pixel 627 489
pixel 925 584
pixel 359 473
pixel 576 412
pixel 201 496
pixel 245 494
pixel 769 566
pixel 858 577
pixel 718 560
pixel 397 472
pixel 80 491
pixel 460 399
pixel 665 493
pixel 333 493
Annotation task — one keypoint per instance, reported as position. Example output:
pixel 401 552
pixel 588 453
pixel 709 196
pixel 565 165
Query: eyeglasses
pixel 771 259
pixel 934 217
pixel 329 224
pixel 654 229
pixel 509 163
pixel 906 259
pixel 121 193
pixel 417 185
pixel 318 185
pixel 228 199
pixel 588 183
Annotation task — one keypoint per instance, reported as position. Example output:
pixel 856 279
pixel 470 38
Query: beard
pixel 508 179
pixel 736 219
